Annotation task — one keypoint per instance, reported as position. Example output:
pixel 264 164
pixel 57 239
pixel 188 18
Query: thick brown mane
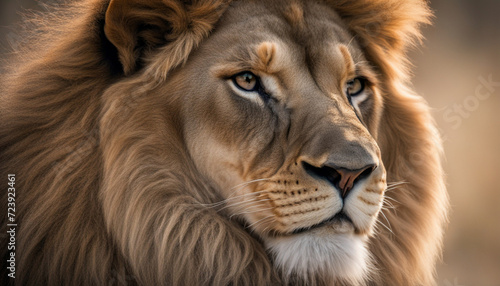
pixel 72 148
pixel 50 111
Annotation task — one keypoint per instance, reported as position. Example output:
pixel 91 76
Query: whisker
pixel 250 212
pixel 387 208
pixel 388 222
pixel 248 194
pixel 236 189
pixel 260 220
pixel 249 182
pixel 386 227
pixel 392 199
pixel 246 205
pixel 244 202
pixel 254 206
pixel 389 205
pixel 233 198
pixel 242 185
pixel 266 229
pixel 249 201
pixel 350 41
pixel 392 188
pixel 392 184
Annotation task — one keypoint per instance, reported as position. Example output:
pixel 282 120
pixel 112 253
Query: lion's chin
pixel 329 253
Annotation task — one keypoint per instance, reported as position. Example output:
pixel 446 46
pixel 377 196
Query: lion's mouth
pixel 340 219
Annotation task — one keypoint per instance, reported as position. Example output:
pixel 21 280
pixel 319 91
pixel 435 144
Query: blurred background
pixel 458 72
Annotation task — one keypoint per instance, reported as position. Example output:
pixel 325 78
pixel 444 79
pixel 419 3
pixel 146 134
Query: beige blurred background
pixel 458 72
pixel 461 55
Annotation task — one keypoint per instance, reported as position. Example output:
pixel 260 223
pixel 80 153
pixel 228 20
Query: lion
pixel 219 142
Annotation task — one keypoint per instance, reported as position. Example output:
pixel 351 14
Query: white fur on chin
pixel 339 256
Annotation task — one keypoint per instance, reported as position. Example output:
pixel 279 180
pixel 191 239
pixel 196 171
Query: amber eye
pixel 355 86
pixel 247 81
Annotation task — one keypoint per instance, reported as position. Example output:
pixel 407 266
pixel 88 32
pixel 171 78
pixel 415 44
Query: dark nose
pixel 342 178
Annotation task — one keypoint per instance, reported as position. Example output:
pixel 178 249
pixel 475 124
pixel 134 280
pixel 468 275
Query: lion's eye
pixel 246 81
pixel 355 87
pixel 246 84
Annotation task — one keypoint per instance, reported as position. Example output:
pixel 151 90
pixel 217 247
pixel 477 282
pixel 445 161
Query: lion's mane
pixel 59 136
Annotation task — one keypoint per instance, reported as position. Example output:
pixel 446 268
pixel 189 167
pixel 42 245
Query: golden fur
pixel 128 162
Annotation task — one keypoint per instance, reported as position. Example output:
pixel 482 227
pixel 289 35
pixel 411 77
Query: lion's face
pixel 222 142
pixel 283 110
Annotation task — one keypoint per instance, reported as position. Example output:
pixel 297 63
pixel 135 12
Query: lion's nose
pixel 342 178
pixel 349 177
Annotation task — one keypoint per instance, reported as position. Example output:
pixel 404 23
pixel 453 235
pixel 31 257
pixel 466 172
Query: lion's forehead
pixel 305 34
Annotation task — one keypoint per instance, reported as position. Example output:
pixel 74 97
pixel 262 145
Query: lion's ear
pixel 138 28
pixel 385 28
pixel 389 24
